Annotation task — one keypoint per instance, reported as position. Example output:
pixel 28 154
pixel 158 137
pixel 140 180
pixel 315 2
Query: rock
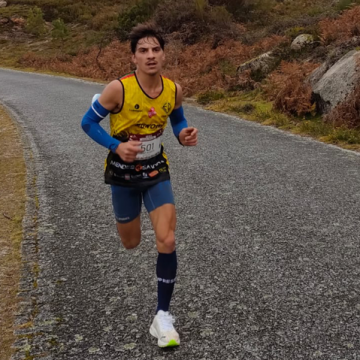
pixel 4 21
pixel 17 20
pixel 261 63
pixel 337 82
pixel 302 41
pixel 317 74
pixel 3 3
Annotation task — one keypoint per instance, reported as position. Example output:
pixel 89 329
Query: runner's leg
pixel 164 221
pixel 159 202
pixel 127 207
pixel 130 233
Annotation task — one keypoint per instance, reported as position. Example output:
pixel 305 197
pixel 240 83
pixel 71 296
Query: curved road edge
pixel 25 328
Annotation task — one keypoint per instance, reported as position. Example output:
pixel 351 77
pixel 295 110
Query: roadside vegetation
pixel 12 208
pixel 208 40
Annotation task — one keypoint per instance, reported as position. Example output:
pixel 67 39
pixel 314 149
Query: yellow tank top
pixel 141 114
pixel 144 119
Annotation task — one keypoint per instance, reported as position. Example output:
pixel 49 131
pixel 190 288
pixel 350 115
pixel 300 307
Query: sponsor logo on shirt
pixel 167 107
pixel 149 126
pixel 134 177
pixel 152 112
pixel 122 136
pixel 153 173
pixel 136 108
pixel 133 167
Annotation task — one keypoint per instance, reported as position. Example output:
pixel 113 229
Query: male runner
pixel 137 168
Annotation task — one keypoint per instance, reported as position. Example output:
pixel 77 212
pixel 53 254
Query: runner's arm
pixel 98 111
pixel 177 118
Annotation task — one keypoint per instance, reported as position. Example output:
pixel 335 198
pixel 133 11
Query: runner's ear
pixel 133 59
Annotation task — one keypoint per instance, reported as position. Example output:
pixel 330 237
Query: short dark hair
pixel 144 31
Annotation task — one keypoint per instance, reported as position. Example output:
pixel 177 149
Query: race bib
pixel 150 144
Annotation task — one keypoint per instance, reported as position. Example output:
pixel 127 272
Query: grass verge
pixel 252 106
pixel 12 208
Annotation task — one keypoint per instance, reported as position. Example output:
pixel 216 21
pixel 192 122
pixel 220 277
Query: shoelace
pixel 166 322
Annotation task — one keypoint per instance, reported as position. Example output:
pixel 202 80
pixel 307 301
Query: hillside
pixel 211 45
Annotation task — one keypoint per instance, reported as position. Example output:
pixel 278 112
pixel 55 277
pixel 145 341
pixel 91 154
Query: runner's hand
pixel 128 150
pixel 188 136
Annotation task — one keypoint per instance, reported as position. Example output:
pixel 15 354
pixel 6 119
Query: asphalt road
pixel 268 241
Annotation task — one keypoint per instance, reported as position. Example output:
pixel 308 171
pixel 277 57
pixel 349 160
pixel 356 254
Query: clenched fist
pixel 128 150
pixel 188 136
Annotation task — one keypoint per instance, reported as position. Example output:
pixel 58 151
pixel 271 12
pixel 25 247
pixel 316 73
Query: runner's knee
pixel 130 235
pixel 166 241
pixel 131 242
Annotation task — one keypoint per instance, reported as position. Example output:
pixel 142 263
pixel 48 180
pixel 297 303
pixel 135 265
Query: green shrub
pixel 60 30
pixel 316 10
pixel 173 16
pixel 195 20
pixel 295 31
pixel 18 10
pixel 209 96
pixel 93 37
pixel 349 136
pixel 227 68
pixel 315 127
pixel 106 20
pixel 77 12
pixel 200 6
pixel 247 108
pixel 138 13
pixel 219 15
pixel 35 23
pixel 238 8
pixel 345 4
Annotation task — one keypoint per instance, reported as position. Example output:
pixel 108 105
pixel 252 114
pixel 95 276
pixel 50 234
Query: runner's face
pixel 149 57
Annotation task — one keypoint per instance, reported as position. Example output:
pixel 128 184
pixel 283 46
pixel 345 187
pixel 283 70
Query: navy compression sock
pixel 166 273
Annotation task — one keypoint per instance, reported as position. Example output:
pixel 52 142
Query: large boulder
pixel 318 73
pixel 302 41
pixel 3 3
pixel 337 82
pixel 261 63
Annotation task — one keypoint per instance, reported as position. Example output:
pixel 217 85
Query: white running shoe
pixel 163 329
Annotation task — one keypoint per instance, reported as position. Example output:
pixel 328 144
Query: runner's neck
pixel 151 84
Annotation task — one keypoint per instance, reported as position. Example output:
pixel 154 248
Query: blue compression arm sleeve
pixel 90 124
pixel 178 121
